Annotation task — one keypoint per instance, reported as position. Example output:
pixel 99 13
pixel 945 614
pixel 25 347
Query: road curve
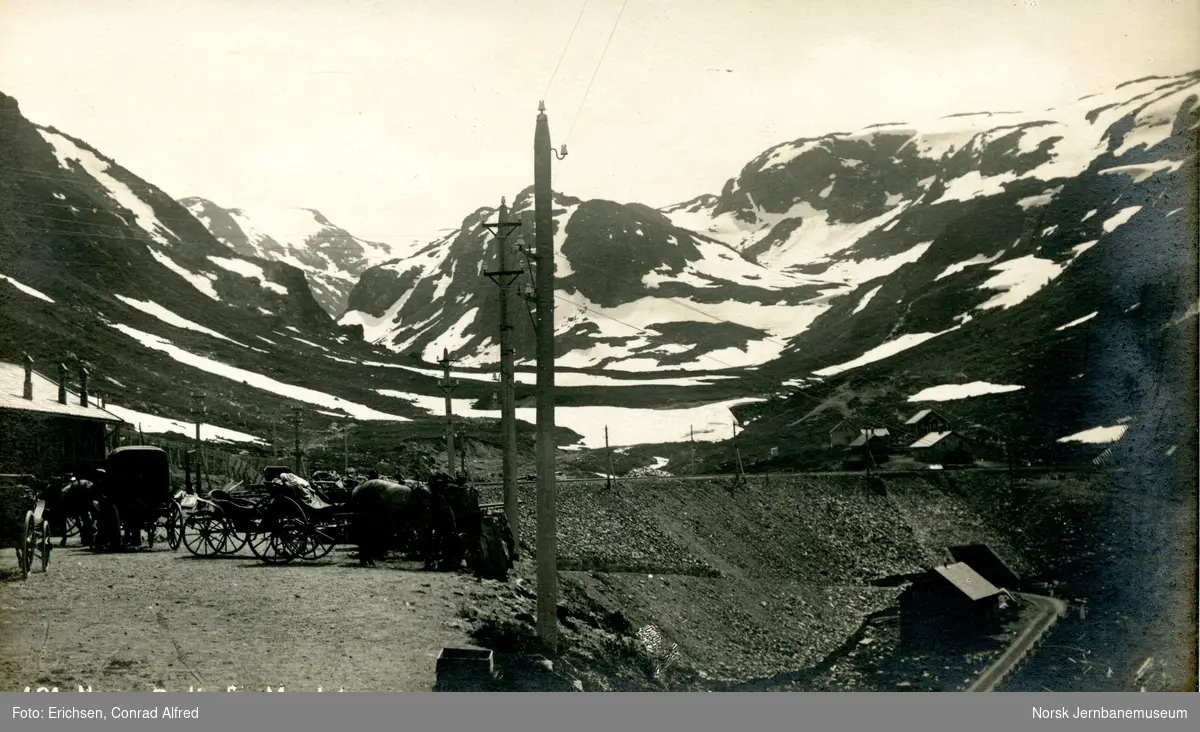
pixel 1051 609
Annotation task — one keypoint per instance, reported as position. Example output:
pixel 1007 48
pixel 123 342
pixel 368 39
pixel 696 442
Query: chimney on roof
pixel 62 383
pixel 83 393
pixel 28 391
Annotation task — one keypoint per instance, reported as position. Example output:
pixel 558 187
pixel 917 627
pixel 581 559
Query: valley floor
pixel 162 619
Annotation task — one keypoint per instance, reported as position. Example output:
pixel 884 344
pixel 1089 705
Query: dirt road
pixel 162 619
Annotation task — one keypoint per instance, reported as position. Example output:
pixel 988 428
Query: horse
pixel 384 510
pixel 69 498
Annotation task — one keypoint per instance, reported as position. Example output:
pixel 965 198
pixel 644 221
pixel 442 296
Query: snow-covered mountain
pixel 988 209
pixel 331 258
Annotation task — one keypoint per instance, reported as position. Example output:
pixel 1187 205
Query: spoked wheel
pixel 313 541
pixel 25 546
pixel 45 545
pixel 202 534
pixel 174 526
pixel 292 537
pixel 72 523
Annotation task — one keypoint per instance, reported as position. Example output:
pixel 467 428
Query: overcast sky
pixel 397 118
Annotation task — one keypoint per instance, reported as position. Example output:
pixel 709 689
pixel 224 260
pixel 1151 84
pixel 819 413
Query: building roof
pixel 839 426
pixel 987 563
pixel 967 580
pixel 863 435
pixel 919 416
pixel 930 439
pixel 45 396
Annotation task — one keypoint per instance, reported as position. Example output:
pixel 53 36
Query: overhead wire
pixel 565 48
pixel 599 63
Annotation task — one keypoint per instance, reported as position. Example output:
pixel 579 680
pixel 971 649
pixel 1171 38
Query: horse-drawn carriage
pixel 289 520
pixel 134 495
pixel 26 523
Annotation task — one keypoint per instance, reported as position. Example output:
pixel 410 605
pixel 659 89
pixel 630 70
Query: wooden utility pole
pixel 345 452
pixel 692 446
pixel 198 413
pixel 274 439
pixel 547 519
pixel 504 276
pixel 297 453
pixel 608 454
pixel 447 385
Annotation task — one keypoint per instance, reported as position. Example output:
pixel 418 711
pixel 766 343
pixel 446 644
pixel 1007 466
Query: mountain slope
pixel 810 236
pixel 331 258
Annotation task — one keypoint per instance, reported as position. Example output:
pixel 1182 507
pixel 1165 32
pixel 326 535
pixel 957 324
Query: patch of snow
pixel 309 343
pixel 787 152
pixel 826 190
pixel 627 426
pixel 451 339
pixel 201 282
pixel 1120 218
pixel 1173 212
pixel 1144 171
pixel 60 196
pixel 1088 215
pixel 1019 279
pixel 162 425
pixel 1097 435
pixel 1081 248
pixel 249 270
pixel 973 185
pixel 866 299
pixel 258 381
pixel 1049 230
pixel 882 351
pixel 158 311
pixel 65 150
pixel 852 272
pixel 950 392
pixel 25 288
pixel 960 266
pixel 1077 321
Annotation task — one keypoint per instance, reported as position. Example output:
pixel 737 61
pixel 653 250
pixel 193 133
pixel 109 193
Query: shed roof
pixel 930 439
pixel 919 416
pixel 864 435
pixel 967 580
pixel 45 396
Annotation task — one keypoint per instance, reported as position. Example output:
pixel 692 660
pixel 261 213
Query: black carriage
pixel 25 522
pixel 287 521
pixel 136 496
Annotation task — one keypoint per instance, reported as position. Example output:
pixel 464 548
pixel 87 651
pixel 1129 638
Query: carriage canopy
pixel 141 472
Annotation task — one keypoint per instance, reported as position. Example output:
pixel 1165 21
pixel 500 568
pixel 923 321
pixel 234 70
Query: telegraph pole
pixel 447 385
pixel 692 446
pixel 297 452
pixel 345 452
pixel 547 520
pixel 608 454
pixel 504 276
pixel 198 413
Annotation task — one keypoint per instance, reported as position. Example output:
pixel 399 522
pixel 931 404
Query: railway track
pixel 1026 642
pixel 821 473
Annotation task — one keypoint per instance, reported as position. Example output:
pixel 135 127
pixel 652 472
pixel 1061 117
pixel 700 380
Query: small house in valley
pixel 926 421
pixel 843 434
pixel 942 448
pixel 984 560
pixel 950 602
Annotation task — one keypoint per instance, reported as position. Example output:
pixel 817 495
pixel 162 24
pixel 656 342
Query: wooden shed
pixel 926 421
pixel 987 563
pixel 47 429
pixel 942 448
pixel 949 602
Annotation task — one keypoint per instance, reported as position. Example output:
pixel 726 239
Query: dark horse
pixel 70 498
pixel 385 511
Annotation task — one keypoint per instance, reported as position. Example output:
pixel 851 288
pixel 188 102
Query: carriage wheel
pixel 232 540
pixel 314 541
pixel 174 526
pixel 25 547
pixel 72 530
pixel 151 533
pixel 45 542
pixel 197 533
